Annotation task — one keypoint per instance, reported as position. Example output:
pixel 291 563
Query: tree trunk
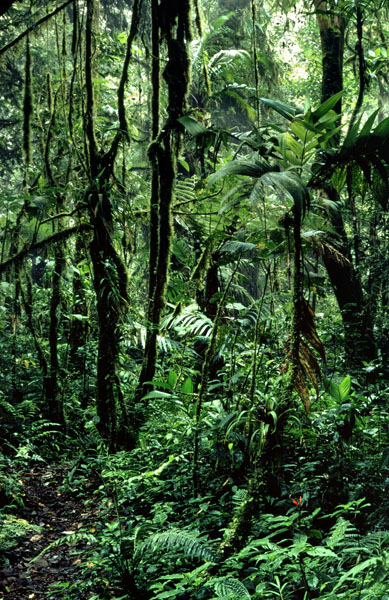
pixel 163 153
pixel 109 273
pixel 78 332
pixel 358 325
pixel 54 405
pixel 331 28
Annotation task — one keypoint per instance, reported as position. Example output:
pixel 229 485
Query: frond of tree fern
pixel 179 540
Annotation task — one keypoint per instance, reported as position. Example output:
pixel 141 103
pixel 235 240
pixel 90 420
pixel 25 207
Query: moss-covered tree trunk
pixel 172 26
pixel 78 330
pixel 331 28
pixel 109 274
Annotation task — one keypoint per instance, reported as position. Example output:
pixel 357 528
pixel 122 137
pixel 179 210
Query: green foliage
pixel 12 531
pixel 163 502
pixel 184 541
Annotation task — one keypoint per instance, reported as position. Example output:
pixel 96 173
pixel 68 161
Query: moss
pixel 27 107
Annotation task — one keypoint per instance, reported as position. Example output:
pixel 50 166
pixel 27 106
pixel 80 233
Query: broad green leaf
pixel 227 56
pixel 187 386
pixel 221 20
pixel 321 551
pixel 301 131
pixel 332 389
pixel 184 164
pixel 290 184
pixel 352 135
pixel 172 379
pixel 275 419
pixel 366 129
pixel 194 127
pixel 231 589
pixel 236 246
pixel 157 394
pixel 285 110
pixel 351 573
pixel 382 128
pixel 312 233
pixel 241 167
pixel 242 102
pixel 291 158
pixel 294 145
pixel 344 388
pixel 328 118
pixel 327 105
pixel 329 134
pixel 311 145
pixel 78 317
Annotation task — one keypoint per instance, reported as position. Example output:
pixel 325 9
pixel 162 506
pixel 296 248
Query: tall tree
pixel 344 277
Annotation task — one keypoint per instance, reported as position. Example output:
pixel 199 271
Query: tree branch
pixel 52 239
pixel 33 27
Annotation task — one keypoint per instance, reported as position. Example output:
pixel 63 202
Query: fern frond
pixel 71 540
pixel 179 540
pixel 192 321
pixel 231 589
pixel 343 533
pixel 184 189
pixel 375 541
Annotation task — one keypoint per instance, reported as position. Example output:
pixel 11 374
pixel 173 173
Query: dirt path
pixel 57 513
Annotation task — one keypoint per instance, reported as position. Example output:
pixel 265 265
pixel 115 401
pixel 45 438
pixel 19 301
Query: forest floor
pixel 57 513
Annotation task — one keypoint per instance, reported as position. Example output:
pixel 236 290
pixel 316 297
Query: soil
pixel 57 513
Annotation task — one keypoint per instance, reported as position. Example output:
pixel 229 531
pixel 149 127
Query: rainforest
pixel 194 299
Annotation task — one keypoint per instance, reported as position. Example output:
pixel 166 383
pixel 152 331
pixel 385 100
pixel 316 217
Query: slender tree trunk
pixel 54 406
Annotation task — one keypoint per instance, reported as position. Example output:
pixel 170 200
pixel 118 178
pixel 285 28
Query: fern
pixel 376 541
pixel 179 540
pixel 343 535
pixel 71 539
pixel 13 529
pixel 231 589
pixel 185 190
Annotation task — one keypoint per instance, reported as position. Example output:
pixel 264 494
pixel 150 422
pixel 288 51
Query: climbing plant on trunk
pixel 109 273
